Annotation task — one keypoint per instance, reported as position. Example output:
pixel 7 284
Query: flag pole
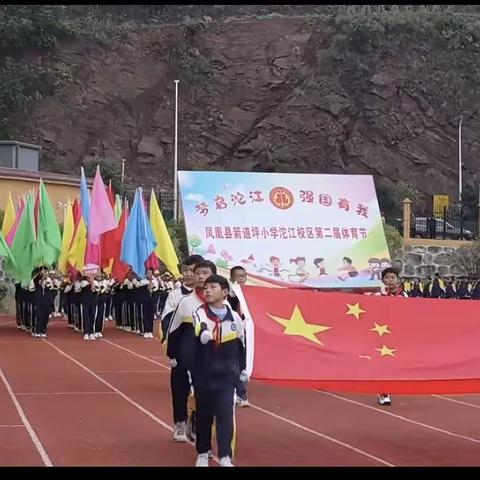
pixel 175 158
pixel 460 160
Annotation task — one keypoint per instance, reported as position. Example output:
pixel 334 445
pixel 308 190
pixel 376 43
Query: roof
pixel 14 143
pixel 48 177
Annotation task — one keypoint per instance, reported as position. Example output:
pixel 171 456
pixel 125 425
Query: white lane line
pixel 457 401
pixel 12 426
pixel 400 417
pixel 278 417
pixel 116 390
pixel 36 441
pixel 130 371
pixel 64 393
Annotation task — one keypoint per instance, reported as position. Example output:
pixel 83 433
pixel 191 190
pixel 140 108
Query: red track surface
pixel 67 402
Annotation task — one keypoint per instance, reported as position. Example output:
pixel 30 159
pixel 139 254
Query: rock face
pixel 262 95
pixel 440 260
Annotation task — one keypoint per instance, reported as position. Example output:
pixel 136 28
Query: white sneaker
pixel 180 432
pixel 76 329
pixel 138 332
pixel 44 335
pixel 150 335
pixel 202 460
pixel 145 335
pixel 384 399
pixel 99 335
pixel 86 337
pixel 127 329
pixel 19 327
pixel 226 462
pixel 242 402
pixel 110 318
pixel 92 336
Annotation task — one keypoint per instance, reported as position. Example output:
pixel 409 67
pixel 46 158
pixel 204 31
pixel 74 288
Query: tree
pixel 468 258
pixel 394 239
pixel 111 171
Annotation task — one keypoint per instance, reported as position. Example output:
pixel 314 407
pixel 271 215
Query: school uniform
pixel 44 293
pixel 101 289
pixel 450 290
pixel 416 290
pixel 171 303
pixel 437 288
pixel 219 361
pixel 88 304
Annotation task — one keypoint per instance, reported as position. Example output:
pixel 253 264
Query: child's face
pixel 201 274
pixel 390 280
pixel 214 293
pixel 301 263
pixel 239 276
pixel 275 262
pixel 187 273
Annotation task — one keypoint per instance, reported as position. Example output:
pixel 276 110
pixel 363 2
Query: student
pixel 437 287
pixel 391 288
pixel 238 275
pixel 180 341
pixel 101 289
pixel 44 293
pixel 219 362
pixel 88 303
pixel 174 296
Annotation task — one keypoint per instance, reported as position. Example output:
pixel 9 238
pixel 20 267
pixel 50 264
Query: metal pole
pixel 460 160
pixel 123 173
pixel 175 158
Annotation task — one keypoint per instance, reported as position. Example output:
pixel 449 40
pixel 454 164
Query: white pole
pixel 123 172
pixel 460 161
pixel 175 157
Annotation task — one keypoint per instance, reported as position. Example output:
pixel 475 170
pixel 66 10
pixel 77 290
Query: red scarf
pixel 217 330
pixel 398 292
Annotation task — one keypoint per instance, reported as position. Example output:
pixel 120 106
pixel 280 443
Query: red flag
pixel 359 343
pixel 76 212
pixel 120 269
pixel 152 262
pixel 36 209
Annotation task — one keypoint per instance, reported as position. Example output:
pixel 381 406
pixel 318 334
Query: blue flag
pixel 85 199
pixel 138 241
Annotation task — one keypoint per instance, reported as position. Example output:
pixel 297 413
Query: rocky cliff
pixel 310 93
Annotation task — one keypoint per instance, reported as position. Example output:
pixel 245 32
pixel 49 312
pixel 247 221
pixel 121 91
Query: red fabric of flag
pixel 369 344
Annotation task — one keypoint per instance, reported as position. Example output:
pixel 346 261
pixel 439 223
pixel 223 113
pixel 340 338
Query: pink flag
pixel 18 216
pixel 102 219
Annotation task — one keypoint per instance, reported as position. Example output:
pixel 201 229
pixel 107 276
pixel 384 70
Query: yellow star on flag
pixel 385 351
pixel 296 325
pixel 355 310
pixel 380 329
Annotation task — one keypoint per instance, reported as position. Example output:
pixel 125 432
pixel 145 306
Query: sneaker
pixel 99 335
pixel 86 337
pixel 110 318
pixel 119 327
pixel 127 329
pixel 202 460
pixel 226 462
pixel 242 401
pixel 138 332
pixel 384 399
pixel 180 432
pixel 145 335
pixel 43 335
pixel 150 335
pixel 19 327
pixel 92 336
pixel 76 329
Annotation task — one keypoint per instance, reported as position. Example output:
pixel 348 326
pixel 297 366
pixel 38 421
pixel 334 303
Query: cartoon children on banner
pixel 349 271
pixel 273 269
pixel 300 274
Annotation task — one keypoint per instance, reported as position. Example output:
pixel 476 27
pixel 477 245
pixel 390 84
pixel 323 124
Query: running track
pixel 66 402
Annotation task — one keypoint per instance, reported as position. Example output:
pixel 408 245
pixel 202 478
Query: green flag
pixel 49 238
pixel 24 244
pixel 6 252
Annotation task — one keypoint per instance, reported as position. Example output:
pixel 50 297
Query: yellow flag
pixel 164 249
pixel 68 228
pixel 76 254
pixel 9 217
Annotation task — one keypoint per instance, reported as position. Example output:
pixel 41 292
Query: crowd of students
pixel 438 287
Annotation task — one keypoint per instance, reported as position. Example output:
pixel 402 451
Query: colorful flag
pixel 9 217
pixel 11 234
pixel 49 239
pixel 164 249
pixel 119 269
pixel 84 198
pixel 76 254
pixel 360 343
pixel 111 195
pixel 138 241
pixel 6 253
pixel 102 219
pixel 24 244
pixel 67 237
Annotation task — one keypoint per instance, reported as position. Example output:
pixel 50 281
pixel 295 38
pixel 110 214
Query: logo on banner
pixel 281 198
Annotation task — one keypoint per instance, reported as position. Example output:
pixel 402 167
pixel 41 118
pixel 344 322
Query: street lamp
pixel 175 157
pixel 460 160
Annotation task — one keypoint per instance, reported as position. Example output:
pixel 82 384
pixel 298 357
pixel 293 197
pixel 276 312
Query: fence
pixel 164 199
pixel 448 223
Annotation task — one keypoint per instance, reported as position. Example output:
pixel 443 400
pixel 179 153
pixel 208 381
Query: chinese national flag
pixel 360 343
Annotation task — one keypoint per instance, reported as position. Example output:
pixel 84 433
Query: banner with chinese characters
pixel 304 230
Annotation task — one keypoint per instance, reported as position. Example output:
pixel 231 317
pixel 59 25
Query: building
pixel 19 155
pixel 60 188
